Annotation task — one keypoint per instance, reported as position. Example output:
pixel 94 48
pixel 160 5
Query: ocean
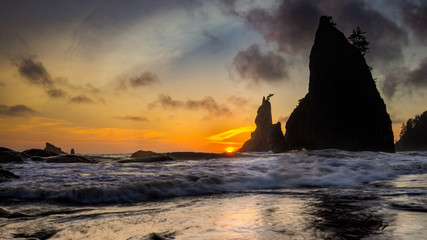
pixel 325 194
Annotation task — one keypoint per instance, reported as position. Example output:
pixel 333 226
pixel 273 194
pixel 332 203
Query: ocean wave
pixel 112 182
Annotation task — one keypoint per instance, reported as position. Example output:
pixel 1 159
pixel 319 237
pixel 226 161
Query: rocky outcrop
pixel 267 136
pixel 52 148
pixel 9 155
pixel 5 175
pixel 413 136
pixel 39 153
pixel 343 108
pixel 149 156
pixel 72 151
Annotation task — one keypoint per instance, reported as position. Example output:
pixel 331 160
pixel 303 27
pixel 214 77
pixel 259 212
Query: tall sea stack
pixel 343 108
pixel 267 136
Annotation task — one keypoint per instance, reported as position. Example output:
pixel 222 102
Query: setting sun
pixel 230 149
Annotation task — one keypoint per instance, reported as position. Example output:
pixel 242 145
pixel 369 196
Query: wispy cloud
pixel 132 118
pixel 207 104
pixel 17 110
pixel 230 133
pixel 144 79
pixel 35 73
pixel 81 99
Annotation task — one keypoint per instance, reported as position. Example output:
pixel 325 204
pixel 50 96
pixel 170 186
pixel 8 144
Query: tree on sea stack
pixel 358 39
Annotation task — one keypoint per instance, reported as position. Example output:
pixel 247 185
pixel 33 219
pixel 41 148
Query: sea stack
pixel 343 108
pixel 52 148
pixel 267 136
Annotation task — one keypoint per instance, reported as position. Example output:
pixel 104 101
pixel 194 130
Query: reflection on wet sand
pixel 353 217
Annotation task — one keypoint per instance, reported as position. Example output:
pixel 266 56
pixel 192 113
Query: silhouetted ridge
pixel 343 108
pixel 413 136
pixel 267 136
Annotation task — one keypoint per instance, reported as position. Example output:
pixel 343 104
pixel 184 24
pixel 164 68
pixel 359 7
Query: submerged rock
pixel 267 136
pixel 413 136
pixel 39 153
pixel 6 175
pixel 51 148
pixel 9 155
pixel 343 108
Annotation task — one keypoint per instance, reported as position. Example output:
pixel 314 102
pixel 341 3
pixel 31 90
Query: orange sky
pixel 117 77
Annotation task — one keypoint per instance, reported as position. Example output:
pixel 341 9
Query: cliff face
pixel 267 136
pixel 343 108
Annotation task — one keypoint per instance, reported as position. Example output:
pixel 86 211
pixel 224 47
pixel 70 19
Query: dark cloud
pixel 17 110
pixel 291 26
pixel 133 118
pixel 33 71
pixel 56 93
pixel 405 80
pixel 418 77
pixel 253 65
pixel 415 16
pixel 81 99
pixel 144 79
pixel 207 104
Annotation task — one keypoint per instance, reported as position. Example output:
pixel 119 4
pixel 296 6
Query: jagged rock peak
pixel 267 136
pixel 343 108
pixel 52 148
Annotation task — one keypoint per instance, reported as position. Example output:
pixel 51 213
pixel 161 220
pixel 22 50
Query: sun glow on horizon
pixel 230 149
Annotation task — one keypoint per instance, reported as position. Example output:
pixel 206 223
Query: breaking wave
pixel 114 182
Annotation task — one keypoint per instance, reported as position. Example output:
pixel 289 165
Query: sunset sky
pixel 121 76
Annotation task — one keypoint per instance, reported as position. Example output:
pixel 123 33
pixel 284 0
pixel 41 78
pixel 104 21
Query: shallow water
pixel 328 194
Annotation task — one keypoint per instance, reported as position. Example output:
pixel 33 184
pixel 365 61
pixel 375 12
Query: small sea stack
pixel 267 136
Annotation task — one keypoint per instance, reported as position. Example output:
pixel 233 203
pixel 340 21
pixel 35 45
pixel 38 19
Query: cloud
pixel 207 104
pixel 17 110
pixel 238 101
pixel 34 72
pixel 405 80
pixel 290 26
pixel 418 77
pixel 56 93
pixel 231 133
pixel 415 16
pixel 144 79
pixel 254 66
pixel 81 99
pixel 132 118
pixel 2 84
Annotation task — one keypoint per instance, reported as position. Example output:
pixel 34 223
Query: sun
pixel 230 149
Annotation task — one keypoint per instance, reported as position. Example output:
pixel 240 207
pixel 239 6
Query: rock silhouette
pixel 267 136
pixel 343 108
pixel 6 175
pixel 413 136
pixel 52 148
pixel 8 155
